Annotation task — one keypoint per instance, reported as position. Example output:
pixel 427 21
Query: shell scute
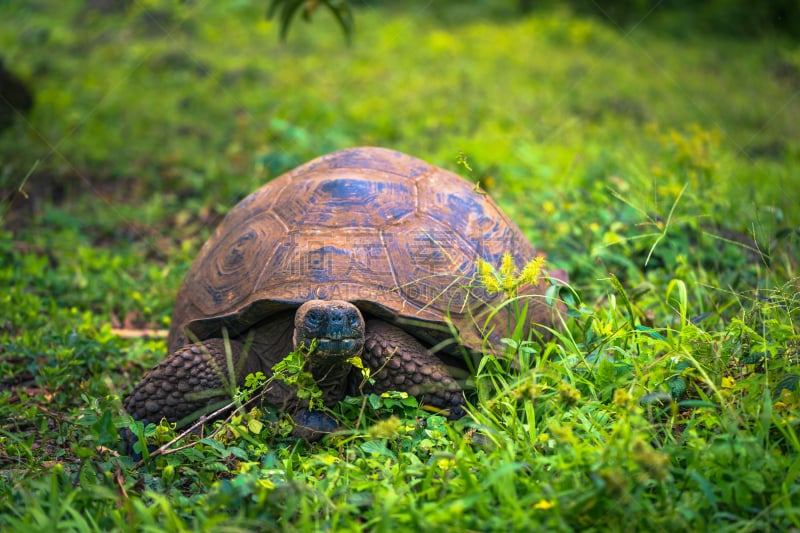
pixel 337 200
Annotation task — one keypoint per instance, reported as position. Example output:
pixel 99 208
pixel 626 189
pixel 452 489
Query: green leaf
pixel 255 426
pixel 377 447
pixel 286 11
pixel 651 332
pixel 788 382
pixel 344 16
pixel 677 386
pixel 620 290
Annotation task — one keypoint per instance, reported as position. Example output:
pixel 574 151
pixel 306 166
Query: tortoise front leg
pixel 397 361
pixel 190 381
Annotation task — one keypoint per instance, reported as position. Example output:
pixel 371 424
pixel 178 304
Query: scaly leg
pixel 398 361
pixel 189 381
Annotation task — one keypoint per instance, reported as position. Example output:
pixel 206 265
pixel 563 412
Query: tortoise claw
pixel 313 425
pixel 129 440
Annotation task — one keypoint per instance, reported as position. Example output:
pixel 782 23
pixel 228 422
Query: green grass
pixel 662 172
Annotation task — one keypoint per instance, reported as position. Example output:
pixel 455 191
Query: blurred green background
pixel 657 143
pixel 600 127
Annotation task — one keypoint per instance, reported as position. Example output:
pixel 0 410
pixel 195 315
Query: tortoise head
pixel 336 326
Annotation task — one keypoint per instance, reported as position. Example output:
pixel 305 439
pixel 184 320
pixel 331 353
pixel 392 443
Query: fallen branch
pixel 127 333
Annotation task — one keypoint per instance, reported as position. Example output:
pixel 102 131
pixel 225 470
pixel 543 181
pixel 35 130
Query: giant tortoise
pixel 365 251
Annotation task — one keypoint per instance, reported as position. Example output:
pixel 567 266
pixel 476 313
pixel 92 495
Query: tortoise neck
pixel 331 375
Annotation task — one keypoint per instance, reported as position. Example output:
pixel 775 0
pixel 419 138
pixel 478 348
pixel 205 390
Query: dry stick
pixel 361 411
pixel 165 449
pixel 120 481
pixel 140 333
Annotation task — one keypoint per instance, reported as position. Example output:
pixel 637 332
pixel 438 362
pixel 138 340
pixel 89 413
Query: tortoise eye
pixel 353 320
pixel 313 318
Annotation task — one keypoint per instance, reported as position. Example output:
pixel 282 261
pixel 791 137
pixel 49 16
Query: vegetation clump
pixel 659 171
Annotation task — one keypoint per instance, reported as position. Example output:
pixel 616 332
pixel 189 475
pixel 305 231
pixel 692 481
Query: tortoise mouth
pixel 344 347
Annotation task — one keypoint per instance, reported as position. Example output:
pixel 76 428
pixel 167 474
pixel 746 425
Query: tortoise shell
pixel 396 236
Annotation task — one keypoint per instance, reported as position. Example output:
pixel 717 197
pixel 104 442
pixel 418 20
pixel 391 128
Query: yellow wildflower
pixel 509 285
pixel 445 463
pixel 568 394
pixel 484 268
pixel 532 271
pixel 507 278
pixel 385 428
pixel 604 329
pixel 544 505
pixel 622 398
pixel 265 484
pixel 242 467
pixel 654 463
pixel 487 277
pixel 507 266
